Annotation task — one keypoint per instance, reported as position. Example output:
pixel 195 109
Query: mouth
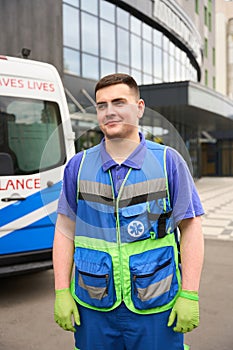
pixel 111 121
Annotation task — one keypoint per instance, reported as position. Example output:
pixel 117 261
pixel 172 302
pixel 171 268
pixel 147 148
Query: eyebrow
pixel 114 100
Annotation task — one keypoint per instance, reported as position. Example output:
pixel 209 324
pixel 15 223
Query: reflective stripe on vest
pixel 94 292
pixel 133 194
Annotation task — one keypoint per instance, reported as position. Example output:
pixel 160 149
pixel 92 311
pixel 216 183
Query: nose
pixel 110 110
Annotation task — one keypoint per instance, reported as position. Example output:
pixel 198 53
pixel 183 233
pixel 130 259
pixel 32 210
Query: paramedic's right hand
pixel 185 312
pixel 64 308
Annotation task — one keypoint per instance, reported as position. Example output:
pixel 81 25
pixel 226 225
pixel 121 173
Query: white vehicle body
pixel 36 141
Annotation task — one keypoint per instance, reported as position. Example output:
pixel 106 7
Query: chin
pixel 112 132
pixel 115 136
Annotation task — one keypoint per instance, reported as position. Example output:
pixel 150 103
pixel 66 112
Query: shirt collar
pixel 135 159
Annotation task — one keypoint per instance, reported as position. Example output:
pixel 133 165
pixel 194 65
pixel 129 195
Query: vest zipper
pixel 154 272
pixel 118 231
pixel 93 275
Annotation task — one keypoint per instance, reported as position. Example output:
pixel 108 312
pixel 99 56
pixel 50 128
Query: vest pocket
pixel 94 278
pixel 153 278
pixel 134 223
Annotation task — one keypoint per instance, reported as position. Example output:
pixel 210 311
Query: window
pixel 147 79
pixel 147 57
pixel 197 6
pixel 90 34
pixel 30 134
pixel 183 65
pixel 137 76
pixel 107 11
pixel 71 27
pixel 210 5
pixel 172 70
pixel 123 69
pixel 108 42
pixel 177 70
pixel 210 21
pixel 90 6
pixel 90 67
pixel 205 15
pixel 206 77
pixel 210 15
pixel 122 18
pixel 146 32
pixel 165 66
pixel 157 62
pixel 214 83
pixel 71 61
pixel 99 37
pixel 107 67
pixel 177 63
pixel 206 48
pixel 73 2
pixel 136 50
pixel 157 38
pixel 123 45
pixel 213 56
pixel 165 43
pixel 135 25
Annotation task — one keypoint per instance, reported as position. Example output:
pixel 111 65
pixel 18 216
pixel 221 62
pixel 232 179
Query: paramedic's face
pixel 119 111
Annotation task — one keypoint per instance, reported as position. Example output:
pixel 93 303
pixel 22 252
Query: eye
pixel 101 106
pixel 119 103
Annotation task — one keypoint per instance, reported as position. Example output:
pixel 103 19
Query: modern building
pixel 168 46
pixel 224 47
pixel 218 156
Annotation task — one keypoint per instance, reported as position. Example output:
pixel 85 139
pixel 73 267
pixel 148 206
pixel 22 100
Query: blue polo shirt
pixel 184 198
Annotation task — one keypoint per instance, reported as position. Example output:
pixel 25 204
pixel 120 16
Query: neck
pixel 120 149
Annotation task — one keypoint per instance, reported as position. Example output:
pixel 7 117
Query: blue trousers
pixel 121 329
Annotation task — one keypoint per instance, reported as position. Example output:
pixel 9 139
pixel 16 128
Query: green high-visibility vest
pixel 125 247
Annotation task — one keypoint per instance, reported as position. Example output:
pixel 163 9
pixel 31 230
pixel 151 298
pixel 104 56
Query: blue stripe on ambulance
pixel 30 237
pixel 36 201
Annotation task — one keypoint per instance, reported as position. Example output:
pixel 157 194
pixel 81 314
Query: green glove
pixel 185 311
pixel 64 308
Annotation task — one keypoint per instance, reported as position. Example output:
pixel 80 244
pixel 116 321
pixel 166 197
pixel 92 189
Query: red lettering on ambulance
pixel 36 183
pixel 41 86
pixel 29 85
pixel 10 183
pixel 28 184
pixel 19 184
pixel 5 81
pixel 20 83
pixel 52 88
pixel 12 82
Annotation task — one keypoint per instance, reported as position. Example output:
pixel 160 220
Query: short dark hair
pixel 118 78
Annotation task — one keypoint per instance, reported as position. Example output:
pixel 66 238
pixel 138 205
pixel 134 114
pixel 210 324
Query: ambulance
pixel 36 141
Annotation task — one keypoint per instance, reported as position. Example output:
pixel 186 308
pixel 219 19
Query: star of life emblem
pixel 136 228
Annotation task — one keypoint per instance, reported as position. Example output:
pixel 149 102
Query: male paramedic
pixel 123 206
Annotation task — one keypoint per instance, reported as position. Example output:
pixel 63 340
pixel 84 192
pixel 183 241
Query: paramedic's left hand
pixel 185 311
pixel 64 309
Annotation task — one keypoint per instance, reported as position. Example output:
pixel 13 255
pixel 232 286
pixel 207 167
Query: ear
pixel 141 108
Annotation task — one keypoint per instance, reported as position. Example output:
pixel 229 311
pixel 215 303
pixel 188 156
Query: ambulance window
pixel 31 132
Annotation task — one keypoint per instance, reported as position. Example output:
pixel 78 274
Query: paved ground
pixel 26 314
pixel 215 331
pixel 216 292
pixel 217 198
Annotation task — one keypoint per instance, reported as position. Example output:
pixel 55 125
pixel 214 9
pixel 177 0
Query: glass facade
pixel 100 38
